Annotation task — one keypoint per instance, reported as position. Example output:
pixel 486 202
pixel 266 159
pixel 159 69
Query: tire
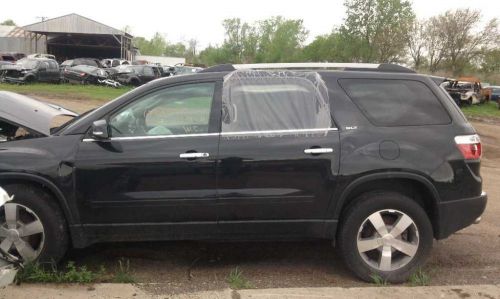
pixel 29 80
pixel 135 82
pixel 389 204
pixel 54 241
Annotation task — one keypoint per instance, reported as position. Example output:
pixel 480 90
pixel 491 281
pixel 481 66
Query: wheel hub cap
pixel 388 240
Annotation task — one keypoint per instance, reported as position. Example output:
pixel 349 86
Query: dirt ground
pixel 471 256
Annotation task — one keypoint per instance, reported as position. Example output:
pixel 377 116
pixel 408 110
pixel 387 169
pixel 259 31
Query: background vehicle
pixel 465 90
pixel 136 75
pixel 254 153
pixel 29 70
pixel 11 57
pixel 81 61
pixel 86 74
pixel 494 92
pixel 114 62
pixel 38 55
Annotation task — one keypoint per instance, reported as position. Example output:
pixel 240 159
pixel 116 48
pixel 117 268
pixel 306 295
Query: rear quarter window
pixel 396 102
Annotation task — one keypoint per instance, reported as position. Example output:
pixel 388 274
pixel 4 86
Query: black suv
pixel 29 70
pixel 376 158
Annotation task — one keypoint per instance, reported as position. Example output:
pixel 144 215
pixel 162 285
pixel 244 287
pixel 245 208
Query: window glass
pixel 268 101
pixel 396 102
pixel 148 71
pixel 172 111
pixel 53 64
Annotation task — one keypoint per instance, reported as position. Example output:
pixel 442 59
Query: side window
pixel 274 101
pixel 176 110
pixel 148 71
pixel 44 65
pixel 53 65
pixel 396 102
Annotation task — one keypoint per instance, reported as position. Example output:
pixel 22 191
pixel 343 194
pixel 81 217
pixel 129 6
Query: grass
pixel 378 280
pixel 71 91
pixel 70 274
pixel 419 278
pixel 489 110
pixel 123 274
pixel 237 281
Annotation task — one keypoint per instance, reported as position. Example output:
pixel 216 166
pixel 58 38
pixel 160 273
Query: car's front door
pixel 278 155
pixel 158 168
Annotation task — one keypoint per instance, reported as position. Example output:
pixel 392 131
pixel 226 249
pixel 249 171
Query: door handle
pixel 317 151
pixel 194 155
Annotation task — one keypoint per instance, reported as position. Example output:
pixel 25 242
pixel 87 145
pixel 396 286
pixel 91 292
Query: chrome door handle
pixel 321 150
pixel 194 155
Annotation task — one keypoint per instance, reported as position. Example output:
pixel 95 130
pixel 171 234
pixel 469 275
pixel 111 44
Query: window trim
pixel 373 122
pixel 212 115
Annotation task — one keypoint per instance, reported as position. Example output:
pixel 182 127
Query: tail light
pixel 469 146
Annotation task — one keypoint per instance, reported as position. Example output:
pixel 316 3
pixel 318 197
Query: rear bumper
pixel 458 214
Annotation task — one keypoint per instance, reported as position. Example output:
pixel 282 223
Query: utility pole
pixel 42 19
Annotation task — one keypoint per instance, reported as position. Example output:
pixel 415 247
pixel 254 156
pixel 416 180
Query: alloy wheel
pixel 388 240
pixel 21 232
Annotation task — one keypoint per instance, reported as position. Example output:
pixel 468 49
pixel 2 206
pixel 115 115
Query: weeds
pixel 419 278
pixel 123 274
pixel 237 281
pixel 71 274
pixel 378 280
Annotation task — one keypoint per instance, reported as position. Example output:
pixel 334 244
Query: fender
pixel 384 175
pixel 52 187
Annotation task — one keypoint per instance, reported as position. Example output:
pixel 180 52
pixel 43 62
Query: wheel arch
pixel 44 184
pixel 413 185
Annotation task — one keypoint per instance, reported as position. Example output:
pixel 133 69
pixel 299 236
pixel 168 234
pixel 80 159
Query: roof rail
pixel 383 67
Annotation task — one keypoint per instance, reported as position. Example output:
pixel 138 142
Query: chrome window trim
pixel 268 132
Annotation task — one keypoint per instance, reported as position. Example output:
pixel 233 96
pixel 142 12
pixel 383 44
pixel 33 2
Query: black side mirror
pixel 100 130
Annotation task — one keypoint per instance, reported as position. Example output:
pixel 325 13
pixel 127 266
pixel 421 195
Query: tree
pixel 240 41
pixel 417 42
pixel 326 48
pixel 175 50
pixel 280 40
pixel 461 36
pixel 377 30
pixel 8 22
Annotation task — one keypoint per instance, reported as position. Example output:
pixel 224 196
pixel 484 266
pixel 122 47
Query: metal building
pixel 72 36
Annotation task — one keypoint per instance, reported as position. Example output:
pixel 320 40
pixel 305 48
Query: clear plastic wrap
pixel 262 101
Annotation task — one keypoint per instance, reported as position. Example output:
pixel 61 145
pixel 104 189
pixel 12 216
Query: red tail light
pixel 470 146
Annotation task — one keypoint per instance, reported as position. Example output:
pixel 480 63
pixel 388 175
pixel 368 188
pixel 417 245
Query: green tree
pixel 280 40
pixel 240 41
pixel 175 50
pixel 8 22
pixel 376 30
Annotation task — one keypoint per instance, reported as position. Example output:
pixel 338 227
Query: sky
pixel 202 19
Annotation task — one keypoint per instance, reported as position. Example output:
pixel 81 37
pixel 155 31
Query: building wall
pixel 21 44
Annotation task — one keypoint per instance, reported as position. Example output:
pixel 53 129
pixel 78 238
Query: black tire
pixel 29 80
pixel 56 238
pixel 355 216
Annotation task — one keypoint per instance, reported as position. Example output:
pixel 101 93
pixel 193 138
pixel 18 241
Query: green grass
pixel 419 278
pixel 378 280
pixel 237 281
pixel 123 275
pixel 70 91
pixel 489 110
pixel 36 273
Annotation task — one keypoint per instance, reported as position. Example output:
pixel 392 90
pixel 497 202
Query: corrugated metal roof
pixel 72 23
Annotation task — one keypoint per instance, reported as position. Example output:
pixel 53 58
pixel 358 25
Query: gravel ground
pixel 471 256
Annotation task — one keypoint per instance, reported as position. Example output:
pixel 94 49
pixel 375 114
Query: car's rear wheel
pixel 32 226
pixel 385 234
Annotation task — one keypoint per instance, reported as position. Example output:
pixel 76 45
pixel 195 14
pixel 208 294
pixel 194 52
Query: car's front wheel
pixel 32 226
pixel 386 235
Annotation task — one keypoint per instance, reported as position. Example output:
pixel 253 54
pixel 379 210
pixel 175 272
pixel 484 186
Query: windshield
pixel 28 63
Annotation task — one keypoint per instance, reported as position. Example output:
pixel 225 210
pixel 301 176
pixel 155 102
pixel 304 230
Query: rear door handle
pixel 194 155
pixel 317 151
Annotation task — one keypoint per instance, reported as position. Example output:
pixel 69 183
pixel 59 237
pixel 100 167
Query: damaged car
pixel 85 74
pixel 30 70
pixel 136 75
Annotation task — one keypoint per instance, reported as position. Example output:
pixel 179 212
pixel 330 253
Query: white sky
pixel 202 19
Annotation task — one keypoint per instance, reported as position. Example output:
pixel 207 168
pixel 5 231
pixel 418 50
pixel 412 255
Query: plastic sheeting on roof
pixel 263 101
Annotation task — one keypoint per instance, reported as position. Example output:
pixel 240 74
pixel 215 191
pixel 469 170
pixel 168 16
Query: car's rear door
pixel 158 168
pixel 278 155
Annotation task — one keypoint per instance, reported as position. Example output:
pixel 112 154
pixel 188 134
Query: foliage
pixel 237 281
pixel 419 278
pixel 376 30
pixel 8 22
pixel 71 274
pixel 378 280
pixel 123 274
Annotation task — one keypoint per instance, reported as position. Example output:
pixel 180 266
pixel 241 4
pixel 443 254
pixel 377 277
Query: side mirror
pixel 100 130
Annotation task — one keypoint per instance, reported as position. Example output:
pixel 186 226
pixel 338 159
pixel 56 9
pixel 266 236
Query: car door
pixel 43 72
pixel 159 165
pixel 278 155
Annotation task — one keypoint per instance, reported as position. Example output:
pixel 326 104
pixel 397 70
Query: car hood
pixel 30 113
